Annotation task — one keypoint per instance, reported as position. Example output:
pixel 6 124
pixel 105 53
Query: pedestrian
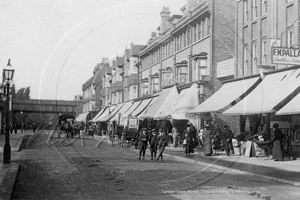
pixel 207 148
pixel 162 143
pixel 226 139
pixel 174 135
pixel 277 143
pixel 11 128
pixel 216 140
pixel 188 137
pixel 153 144
pixel 33 127
pixel 143 140
pixel 16 128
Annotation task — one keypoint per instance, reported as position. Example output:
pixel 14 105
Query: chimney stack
pixel 165 16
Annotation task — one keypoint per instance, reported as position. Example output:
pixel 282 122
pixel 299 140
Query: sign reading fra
pixel 286 56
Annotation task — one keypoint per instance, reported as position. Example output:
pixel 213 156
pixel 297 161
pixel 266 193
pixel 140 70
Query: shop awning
pixel 82 117
pixel 185 101
pixel 229 93
pixel 98 114
pixel 141 107
pixel 125 107
pixel 270 94
pixel 165 97
pixel 105 112
pixel 291 108
pixel 132 108
pixel 111 113
pixel 145 110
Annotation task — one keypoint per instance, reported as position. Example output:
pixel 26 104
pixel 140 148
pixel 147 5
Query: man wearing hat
pixel 143 140
pixel 162 143
pixel 153 143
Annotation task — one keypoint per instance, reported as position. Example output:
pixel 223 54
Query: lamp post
pixel 8 73
pixel 2 107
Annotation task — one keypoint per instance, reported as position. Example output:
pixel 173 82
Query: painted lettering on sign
pixel 286 56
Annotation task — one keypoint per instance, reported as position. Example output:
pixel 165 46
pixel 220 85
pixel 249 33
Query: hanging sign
pixel 286 56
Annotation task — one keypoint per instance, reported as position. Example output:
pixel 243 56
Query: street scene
pixel 68 169
pixel 150 99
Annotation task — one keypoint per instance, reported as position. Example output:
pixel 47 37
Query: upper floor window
pixel 264 7
pixel 289 1
pixel 264 52
pixel 245 60
pixel 181 72
pixel 254 58
pixel 246 11
pixel 254 9
pixel 290 34
pixel 167 77
pixel 208 25
pixel 199 30
pixel 155 84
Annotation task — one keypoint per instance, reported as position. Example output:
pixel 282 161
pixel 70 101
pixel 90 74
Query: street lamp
pixel 8 74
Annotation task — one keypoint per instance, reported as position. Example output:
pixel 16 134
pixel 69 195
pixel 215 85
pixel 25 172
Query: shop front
pixel 268 103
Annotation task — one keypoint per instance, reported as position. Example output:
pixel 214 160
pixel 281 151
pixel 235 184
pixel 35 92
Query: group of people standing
pixel 156 140
pixel 212 141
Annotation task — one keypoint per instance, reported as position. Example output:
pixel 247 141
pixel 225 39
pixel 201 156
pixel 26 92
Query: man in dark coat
pixel 189 137
pixel 227 139
pixel 153 144
pixel 162 143
pixel 143 141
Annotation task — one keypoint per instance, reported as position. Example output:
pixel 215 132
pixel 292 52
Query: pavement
pixel 9 172
pixel 286 171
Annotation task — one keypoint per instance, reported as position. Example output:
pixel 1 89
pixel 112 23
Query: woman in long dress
pixel 207 147
pixel 277 143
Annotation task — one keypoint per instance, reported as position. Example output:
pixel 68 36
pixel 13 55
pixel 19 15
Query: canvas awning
pixel 185 101
pixel 271 93
pixel 125 107
pixel 292 107
pixel 132 108
pixel 141 107
pixel 111 113
pixel 82 117
pixel 165 97
pixel 98 114
pixel 229 93
pixel 145 110
pixel 105 112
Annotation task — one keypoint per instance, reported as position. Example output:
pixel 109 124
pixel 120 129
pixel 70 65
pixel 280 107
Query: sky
pixel 55 45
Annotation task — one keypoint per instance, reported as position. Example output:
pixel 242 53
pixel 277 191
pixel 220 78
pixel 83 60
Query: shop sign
pixel 286 56
pixel 133 122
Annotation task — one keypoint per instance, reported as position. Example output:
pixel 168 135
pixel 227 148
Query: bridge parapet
pixel 44 106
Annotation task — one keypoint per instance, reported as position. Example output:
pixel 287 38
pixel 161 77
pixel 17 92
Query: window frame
pixel 264 52
pixel 254 10
pixel 245 61
pixel 254 58
pixel 264 7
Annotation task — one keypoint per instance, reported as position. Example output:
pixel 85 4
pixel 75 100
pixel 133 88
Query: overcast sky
pixel 54 45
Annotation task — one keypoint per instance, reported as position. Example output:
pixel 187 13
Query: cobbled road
pixel 59 168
